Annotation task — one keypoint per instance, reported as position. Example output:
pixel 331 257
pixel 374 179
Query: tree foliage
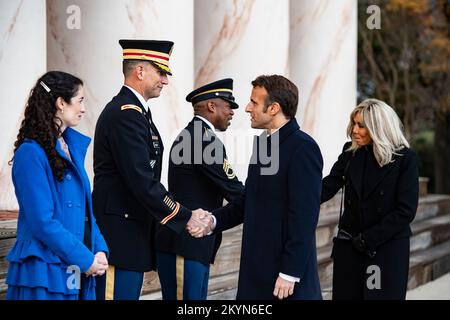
pixel 407 64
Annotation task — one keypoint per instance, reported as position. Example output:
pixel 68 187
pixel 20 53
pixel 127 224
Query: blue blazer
pixel 280 211
pixel 51 222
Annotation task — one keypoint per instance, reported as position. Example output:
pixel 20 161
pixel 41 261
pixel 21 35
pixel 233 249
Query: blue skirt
pixel 38 293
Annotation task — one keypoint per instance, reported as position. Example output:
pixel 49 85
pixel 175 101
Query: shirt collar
pixel 207 122
pixel 139 96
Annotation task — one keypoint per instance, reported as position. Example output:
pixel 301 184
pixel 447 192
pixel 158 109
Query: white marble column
pixel 240 39
pixel 93 53
pixel 323 48
pixel 22 62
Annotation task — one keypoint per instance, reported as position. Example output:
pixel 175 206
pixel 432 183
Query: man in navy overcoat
pixel 280 208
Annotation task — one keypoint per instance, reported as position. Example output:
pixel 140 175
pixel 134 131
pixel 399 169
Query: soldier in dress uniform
pixel 128 198
pixel 198 182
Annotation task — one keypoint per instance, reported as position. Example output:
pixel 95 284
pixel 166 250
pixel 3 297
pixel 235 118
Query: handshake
pixel 200 224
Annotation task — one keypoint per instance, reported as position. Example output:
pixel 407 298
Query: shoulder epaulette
pixel 131 106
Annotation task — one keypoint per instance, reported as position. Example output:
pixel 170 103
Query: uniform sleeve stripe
pixel 173 214
pixel 180 277
pixel 109 290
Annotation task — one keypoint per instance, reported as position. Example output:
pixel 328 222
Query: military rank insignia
pixel 228 169
pixel 131 107
pixel 172 205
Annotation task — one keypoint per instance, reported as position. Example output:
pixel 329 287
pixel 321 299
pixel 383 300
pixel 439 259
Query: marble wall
pixel 241 40
pixel 312 42
pixel 93 53
pixel 22 61
pixel 322 57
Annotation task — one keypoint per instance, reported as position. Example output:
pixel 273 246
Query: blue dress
pixel 49 248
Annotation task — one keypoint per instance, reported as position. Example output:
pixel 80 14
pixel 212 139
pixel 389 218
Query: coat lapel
pixel 375 174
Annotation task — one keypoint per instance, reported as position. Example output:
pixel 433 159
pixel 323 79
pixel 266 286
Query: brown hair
pixel 279 89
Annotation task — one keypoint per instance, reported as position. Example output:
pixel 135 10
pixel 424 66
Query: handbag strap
pixel 343 193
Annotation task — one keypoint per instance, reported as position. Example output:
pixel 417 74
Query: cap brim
pixel 233 104
pixel 162 67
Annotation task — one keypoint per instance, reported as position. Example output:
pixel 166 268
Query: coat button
pixel 378 210
pixel 382 193
pixel 349 202
pixel 70 204
pixel 126 215
pixel 68 177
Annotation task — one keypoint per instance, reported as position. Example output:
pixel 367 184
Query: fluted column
pixel 22 62
pixel 241 39
pixel 323 48
pixel 89 48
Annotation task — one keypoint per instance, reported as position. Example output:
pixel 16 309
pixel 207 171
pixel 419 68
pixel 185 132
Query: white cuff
pixel 213 226
pixel 289 278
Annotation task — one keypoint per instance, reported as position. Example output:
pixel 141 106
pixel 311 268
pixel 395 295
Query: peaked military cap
pixel 156 51
pixel 219 89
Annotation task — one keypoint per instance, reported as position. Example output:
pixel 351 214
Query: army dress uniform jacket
pixel 280 212
pixel 198 184
pixel 128 197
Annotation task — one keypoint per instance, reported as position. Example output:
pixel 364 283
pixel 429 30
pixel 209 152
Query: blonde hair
pixel 384 127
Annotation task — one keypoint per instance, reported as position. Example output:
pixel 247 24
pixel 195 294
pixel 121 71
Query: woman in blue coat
pixel 59 248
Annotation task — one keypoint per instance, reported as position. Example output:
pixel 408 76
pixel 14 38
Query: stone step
pixel 430 264
pixel 429 232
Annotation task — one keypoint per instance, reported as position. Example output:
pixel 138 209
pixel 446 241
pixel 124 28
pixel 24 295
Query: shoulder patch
pixel 228 169
pixel 131 106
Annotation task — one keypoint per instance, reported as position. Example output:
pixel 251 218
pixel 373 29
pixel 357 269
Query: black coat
pixel 379 203
pixel 128 197
pixel 198 184
pixel 281 214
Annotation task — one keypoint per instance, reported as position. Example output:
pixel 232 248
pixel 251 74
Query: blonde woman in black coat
pixel 378 173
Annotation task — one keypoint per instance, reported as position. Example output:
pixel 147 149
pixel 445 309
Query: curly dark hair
pixel 41 122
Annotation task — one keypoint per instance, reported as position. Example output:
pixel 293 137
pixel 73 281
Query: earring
pixel 62 110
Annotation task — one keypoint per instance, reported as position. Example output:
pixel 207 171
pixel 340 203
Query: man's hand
pixel 283 288
pixel 200 223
